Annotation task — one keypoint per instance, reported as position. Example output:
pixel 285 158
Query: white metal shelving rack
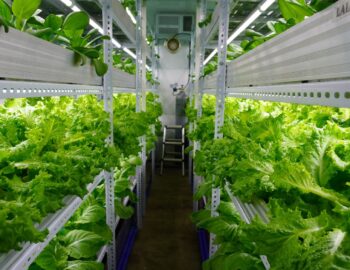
pixel 307 64
pixel 27 72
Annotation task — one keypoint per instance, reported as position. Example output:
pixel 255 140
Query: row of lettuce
pixel 292 12
pixel 54 147
pixel 294 158
pixel 70 31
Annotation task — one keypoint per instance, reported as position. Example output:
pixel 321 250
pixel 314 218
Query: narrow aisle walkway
pixel 168 240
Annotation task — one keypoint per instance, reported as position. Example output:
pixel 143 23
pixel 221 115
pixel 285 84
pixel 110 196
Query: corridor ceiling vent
pixel 173 45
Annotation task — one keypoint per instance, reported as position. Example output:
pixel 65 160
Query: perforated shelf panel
pixel 21 89
pixel 335 94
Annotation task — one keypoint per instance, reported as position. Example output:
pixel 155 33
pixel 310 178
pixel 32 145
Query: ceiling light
pixel 270 12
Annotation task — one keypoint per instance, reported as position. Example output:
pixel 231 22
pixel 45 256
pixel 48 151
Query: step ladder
pixel 173 156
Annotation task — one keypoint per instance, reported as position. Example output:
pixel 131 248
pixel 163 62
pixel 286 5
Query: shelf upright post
pixel 220 99
pixel 108 106
pixel 198 72
pixel 144 98
pixel 141 103
pixel 190 95
pixel 199 59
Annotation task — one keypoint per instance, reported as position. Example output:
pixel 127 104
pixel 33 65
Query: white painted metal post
pixel 199 59
pixel 144 45
pixel 220 99
pixel 198 72
pixel 108 106
pixel 141 102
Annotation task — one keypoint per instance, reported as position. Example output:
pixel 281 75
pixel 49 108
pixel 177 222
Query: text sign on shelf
pixel 342 8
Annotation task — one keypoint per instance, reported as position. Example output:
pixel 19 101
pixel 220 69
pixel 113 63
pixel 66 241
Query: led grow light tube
pixel 131 15
pixel 263 7
pixel 68 3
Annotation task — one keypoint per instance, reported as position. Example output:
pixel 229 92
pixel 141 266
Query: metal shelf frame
pixel 102 253
pixel 25 72
pixel 308 64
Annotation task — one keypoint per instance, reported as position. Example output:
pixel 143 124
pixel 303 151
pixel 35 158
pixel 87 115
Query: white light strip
pixel 96 26
pixel 75 8
pixel 148 68
pixel 68 3
pixel 244 26
pixel 131 15
pixel 116 43
pixel 266 5
pixel 129 53
pixel 210 56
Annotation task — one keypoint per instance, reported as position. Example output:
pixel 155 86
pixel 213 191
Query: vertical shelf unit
pixel 26 72
pixel 307 64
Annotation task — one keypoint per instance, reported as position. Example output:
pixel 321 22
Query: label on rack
pixel 342 8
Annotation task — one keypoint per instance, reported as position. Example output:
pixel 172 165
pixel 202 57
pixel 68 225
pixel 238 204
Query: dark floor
pixel 168 239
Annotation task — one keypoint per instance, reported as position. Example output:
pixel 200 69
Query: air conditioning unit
pixel 171 24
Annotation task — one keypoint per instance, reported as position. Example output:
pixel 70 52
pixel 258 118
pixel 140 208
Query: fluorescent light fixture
pixel 129 53
pixel 131 15
pixel 269 13
pixel 266 5
pixel 68 3
pixel 75 8
pixel 96 26
pixel 243 26
pixel 116 43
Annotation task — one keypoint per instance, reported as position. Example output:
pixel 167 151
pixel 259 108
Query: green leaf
pixel 296 176
pixel 328 252
pixel 91 214
pixel 5 11
pixel 101 68
pixel 53 257
pixel 287 230
pixel 204 189
pixel 76 21
pixel 122 211
pixel 252 33
pixel 83 244
pixel 235 261
pixel 53 21
pixel 293 9
pixel 24 9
